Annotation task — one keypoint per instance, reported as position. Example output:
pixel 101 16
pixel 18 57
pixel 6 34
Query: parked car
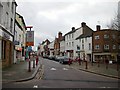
pixel 57 58
pixel 64 59
pixel 51 57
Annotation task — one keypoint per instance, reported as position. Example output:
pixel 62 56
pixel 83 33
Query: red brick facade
pixel 106 44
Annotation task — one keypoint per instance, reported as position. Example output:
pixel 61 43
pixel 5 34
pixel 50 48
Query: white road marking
pixel 52 69
pixel 65 69
pixel 35 86
pixel 104 87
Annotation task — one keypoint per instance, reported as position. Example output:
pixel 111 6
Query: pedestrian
pixel 69 62
pixel 79 61
pixel 106 61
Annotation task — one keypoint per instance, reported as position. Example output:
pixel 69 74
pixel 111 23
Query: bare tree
pixel 115 22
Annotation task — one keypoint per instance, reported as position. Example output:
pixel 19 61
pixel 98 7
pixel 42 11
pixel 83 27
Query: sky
pixel 48 17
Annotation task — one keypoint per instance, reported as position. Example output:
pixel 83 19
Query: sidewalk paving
pixel 19 72
pixel 101 70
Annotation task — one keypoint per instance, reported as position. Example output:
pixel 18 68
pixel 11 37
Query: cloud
pixel 48 17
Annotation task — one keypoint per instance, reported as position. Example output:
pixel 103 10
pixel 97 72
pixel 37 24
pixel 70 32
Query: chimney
pixel 73 28
pixel 83 24
pixel 60 35
pixel 98 27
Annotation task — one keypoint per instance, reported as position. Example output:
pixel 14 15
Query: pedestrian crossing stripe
pixel 56 69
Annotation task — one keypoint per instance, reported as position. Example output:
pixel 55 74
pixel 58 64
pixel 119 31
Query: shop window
pixel 0 49
pixel 3 49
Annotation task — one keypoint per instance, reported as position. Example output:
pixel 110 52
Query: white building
pixel 69 43
pixel 119 14
pixel 20 36
pixel 7 24
pixel 84 42
pixel 72 41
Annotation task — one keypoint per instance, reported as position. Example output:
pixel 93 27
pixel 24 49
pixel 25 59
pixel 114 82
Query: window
pixel 97 37
pixel 89 46
pixel 82 40
pixel 86 39
pixel 106 36
pixel 97 47
pixel 69 36
pixel 1 8
pixel 12 7
pixel 82 46
pixel 72 43
pixel 69 44
pixel 106 46
pixel 3 49
pixel 114 46
pixel 72 35
pixel 19 38
pixel 113 36
pixel 79 40
pixel 6 20
pixel 11 25
pixel 15 35
pixel 8 3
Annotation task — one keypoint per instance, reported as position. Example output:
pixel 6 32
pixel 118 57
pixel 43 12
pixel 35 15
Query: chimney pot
pixel 98 27
pixel 83 24
pixel 73 28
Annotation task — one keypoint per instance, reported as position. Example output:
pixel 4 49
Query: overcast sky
pixel 48 17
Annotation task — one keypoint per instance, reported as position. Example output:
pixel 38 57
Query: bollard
pixel 33 63
pixel 36 60
pixel 86 65
pixel 29 68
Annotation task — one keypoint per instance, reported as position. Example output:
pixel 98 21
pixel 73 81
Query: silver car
pixel 64 59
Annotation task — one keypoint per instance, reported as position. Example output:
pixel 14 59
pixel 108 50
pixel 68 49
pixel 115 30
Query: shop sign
pixel 30 38
pixel 16 42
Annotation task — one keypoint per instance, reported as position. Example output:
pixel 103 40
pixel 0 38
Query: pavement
pixel 19 72
pixel 100 69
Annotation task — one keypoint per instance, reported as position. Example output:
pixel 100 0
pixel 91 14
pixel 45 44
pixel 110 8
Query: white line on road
pixel 65 69
pixel 52 69
pixel 35 86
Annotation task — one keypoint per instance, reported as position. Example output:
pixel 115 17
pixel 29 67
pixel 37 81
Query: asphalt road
pixel 57 75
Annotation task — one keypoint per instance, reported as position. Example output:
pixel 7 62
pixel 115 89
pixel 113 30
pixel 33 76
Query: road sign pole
pixel 29 66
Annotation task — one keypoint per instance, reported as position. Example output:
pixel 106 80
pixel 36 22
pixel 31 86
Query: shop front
pixel 6 47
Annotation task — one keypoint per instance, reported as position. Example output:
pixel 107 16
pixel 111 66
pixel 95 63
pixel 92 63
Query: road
pixel 57 75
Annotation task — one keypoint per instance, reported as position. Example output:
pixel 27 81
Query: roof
pixel 70 32
pixel 22 19
pixel 87 32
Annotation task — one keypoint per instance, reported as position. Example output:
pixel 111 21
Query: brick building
pixel 57 44
pixel 106 44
